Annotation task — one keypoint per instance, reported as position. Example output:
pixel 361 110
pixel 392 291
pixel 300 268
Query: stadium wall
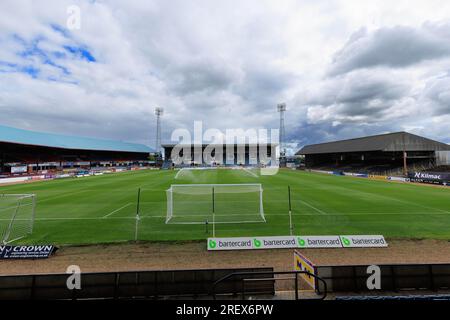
pixel 353 278
pixel 132 284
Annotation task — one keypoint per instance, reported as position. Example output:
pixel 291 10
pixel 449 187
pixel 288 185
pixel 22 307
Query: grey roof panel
pixel 397 141
pixel 20 136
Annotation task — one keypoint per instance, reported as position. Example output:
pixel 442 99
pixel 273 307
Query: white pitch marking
pixel 70 218
pixel 251 173
pixel 312 207
pixel 273 214
pixel 311 214
pixel 179 172
pixel 61 195
pixel 13 207
pixel 117 210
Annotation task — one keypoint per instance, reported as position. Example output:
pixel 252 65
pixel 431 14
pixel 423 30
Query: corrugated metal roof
pixel 397 141
pixel 20 136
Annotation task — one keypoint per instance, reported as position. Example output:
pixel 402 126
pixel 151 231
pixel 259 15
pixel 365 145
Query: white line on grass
pixel 15 206
pixel 267 214
pixel 179 172
pixel 39 201
pixel 117 210
pixel 251 173
pixel 220 222
pixel 312 214
pixel 372 194
pixel 312 207
pixel 71 218
pixel 418 205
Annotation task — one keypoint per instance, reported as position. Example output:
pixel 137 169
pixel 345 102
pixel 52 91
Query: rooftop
pixel 27 137
pixel 397 141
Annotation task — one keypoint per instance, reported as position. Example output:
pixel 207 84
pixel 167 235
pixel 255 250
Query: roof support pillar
pixel 405 165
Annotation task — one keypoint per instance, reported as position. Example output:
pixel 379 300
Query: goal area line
pixel 217 185
pixel 210 222
pixel 144 216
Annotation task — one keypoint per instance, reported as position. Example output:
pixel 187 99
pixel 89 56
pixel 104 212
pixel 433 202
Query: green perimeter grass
pixel 102 209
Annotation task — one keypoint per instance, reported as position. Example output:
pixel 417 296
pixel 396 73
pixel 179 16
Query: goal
pixel 17 213
pixel 214 203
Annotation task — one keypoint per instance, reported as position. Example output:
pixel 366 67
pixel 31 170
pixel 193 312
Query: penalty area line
pixel 71 218
pixel 251 173
pixel 117 210
pixel 312 207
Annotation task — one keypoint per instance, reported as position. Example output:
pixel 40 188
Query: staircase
pixel 167 164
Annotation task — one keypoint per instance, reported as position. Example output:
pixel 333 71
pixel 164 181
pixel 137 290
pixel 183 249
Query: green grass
pixel 102 208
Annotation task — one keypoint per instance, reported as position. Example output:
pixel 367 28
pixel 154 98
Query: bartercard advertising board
pixel 296 242
pixel 363 241
pixel 319 242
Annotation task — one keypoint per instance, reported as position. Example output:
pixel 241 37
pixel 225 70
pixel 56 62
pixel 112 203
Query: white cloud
pixel 224 62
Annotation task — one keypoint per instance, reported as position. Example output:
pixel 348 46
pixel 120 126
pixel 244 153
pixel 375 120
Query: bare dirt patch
pixel 171 256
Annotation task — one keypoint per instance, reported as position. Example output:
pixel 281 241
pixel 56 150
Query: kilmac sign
pixel 26 252
pixel 295 242
pixel 429 177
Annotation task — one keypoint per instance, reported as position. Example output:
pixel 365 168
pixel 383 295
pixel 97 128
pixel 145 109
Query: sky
pixel 344 68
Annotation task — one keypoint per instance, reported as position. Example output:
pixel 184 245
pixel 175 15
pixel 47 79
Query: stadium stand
pixel 168 154
pixel 386 154
pixel 25 152
pixel 441 169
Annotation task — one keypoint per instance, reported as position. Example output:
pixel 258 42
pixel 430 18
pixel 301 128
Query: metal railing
pixel 394 277
pixel 295 278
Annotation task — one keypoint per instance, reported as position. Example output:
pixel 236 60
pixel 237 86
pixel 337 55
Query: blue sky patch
pixel 61 30
pixel 30 70
pixel 81 52
pixel 14 67
pixel 34 55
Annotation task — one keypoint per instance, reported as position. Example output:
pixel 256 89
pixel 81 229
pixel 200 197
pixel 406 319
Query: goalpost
pixel 214 203
pixel 17 213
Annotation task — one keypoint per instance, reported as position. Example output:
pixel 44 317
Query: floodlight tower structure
pixel 281 108
pixel 158 113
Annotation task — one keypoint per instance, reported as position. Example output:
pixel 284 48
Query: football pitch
pixel 102 209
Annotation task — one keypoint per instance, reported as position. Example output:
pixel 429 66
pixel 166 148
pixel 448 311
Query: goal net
pixel 16 216
pixel 215 203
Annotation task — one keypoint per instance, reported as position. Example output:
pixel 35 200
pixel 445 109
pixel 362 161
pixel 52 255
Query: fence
pixel 123 285
pixel 264 278
pixel 393 277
